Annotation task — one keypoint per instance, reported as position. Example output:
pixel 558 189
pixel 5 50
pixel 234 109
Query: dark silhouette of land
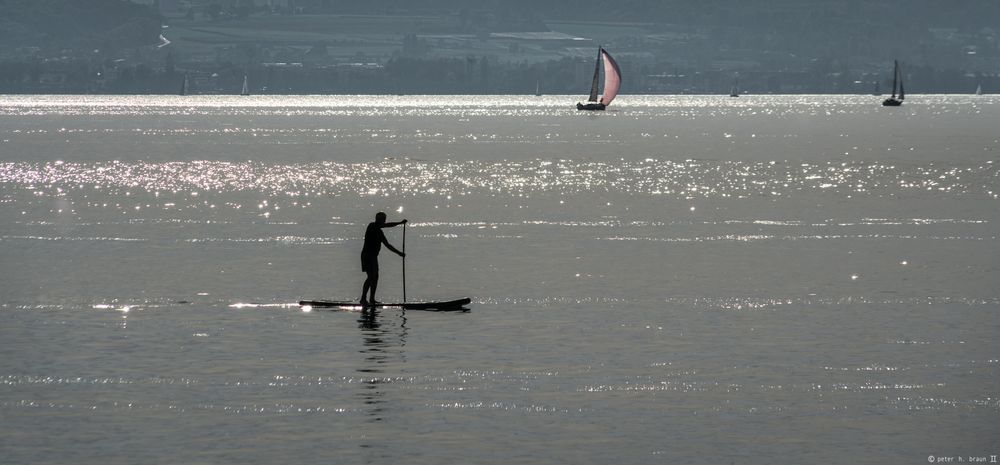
pixel 494 47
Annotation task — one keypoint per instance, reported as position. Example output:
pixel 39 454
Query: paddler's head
pixel 380 218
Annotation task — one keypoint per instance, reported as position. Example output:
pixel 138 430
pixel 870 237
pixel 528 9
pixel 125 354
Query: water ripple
pixel 687 179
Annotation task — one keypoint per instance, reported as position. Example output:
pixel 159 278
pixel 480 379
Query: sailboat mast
pixel 895 76
pixel 902 94
pixel 597 76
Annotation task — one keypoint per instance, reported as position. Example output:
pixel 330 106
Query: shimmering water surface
pixel 783 279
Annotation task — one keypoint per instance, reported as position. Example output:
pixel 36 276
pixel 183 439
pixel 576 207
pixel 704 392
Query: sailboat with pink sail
pixel 612 82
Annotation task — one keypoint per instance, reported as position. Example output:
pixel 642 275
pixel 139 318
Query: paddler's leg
pixel 369 264
pixel 373 285
pixel 364 289
pixel 368 278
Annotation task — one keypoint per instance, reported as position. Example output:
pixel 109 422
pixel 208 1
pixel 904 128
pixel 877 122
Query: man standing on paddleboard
pixel 374 238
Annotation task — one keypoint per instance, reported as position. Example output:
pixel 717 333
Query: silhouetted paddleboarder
pixel 374 238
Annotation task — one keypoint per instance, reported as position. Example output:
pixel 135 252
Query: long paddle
pixel 404 262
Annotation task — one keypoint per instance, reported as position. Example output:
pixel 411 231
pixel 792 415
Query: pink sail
pixel 612 78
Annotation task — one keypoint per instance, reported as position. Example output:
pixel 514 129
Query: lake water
pixel 681 279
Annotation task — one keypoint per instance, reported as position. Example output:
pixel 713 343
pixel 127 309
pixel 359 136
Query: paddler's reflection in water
pixel 379 338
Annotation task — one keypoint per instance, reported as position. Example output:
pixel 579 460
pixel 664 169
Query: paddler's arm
pixel 393 225
pixel 390 247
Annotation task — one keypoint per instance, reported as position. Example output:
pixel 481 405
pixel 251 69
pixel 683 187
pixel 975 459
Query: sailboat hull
pixel 590 106
pixel 891 102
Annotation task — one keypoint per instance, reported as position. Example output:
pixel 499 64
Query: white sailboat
pixel 734 91
pixel 612 82
pixel 246 87
pixel 979 89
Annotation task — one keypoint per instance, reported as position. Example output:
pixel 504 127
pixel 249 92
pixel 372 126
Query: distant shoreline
pixel 569 96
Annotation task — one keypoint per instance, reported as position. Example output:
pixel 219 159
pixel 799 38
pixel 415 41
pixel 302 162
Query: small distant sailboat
pixel 538 89
pixel 897 81
pixel 246 87
pixel 612 82
pixel 734 91
pixel 184 85
pixel 979 89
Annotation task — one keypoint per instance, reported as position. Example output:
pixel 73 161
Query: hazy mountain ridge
pixel 81 23
pixel 774 14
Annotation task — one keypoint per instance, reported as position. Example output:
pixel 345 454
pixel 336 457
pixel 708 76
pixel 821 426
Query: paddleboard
pixel 457 304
